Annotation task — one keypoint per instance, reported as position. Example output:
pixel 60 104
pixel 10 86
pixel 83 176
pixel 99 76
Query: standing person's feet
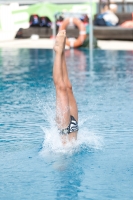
pixel 60 42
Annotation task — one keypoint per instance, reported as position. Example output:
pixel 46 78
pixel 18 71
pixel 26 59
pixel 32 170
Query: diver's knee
pixel 68 85
pixel 60 86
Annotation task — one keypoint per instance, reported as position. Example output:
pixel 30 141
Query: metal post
pixel 123 6
pixel 54 26
pixel 108 3
pixel 54 32
pixel 99 9
pixel 91 36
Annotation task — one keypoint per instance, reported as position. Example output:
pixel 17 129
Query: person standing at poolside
pixel 66 106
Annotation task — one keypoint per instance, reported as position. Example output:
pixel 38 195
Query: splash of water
pixel 52 143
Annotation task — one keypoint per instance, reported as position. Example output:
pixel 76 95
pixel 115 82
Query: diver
pixel 66 106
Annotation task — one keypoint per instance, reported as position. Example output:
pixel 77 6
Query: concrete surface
pixel 115 45
pixel 48 44
pixel 28 43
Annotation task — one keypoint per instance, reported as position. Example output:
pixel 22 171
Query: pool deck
pixel 48 44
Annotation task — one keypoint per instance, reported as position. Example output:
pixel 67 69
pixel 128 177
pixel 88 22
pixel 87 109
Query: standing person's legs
pixel 62 101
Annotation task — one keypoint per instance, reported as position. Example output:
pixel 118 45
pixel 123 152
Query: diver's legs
pixel 62 101
pixel 72 102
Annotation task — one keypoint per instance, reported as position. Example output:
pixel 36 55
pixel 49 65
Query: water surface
pixel 33 163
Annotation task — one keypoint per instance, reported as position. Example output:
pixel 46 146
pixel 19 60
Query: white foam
pixel 52 144
pixel 86 140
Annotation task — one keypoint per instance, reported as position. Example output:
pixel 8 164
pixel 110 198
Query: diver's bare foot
pixel 60 42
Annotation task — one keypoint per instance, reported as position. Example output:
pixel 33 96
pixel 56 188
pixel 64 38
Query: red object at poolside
pixel 82 32
pixel 128 24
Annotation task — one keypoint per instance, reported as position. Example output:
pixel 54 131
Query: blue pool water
pixel 33 163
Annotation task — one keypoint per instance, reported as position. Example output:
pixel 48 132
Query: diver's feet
pixel 60 42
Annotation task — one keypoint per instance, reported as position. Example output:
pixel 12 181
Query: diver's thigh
pixel 62 109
